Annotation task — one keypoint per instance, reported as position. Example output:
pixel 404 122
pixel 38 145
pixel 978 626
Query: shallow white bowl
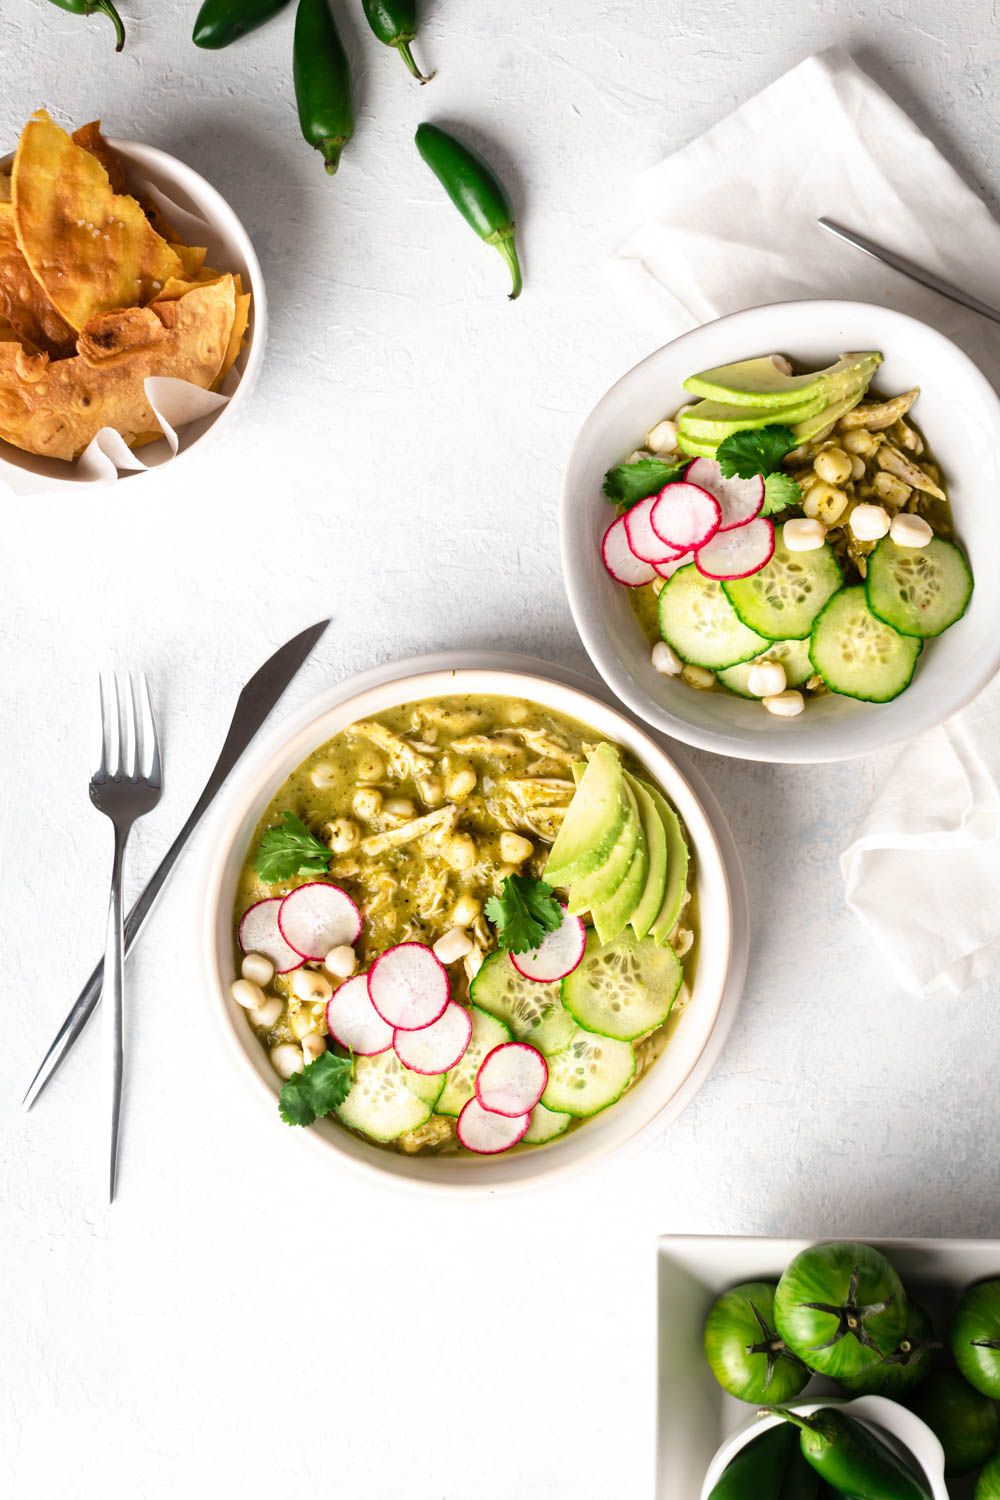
pixel 661 1094
pixel 229 249
pixel 958 411
pixel 904 1431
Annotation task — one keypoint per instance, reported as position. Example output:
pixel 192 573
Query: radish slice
pixel 511 1079
pixel 738 553
pixel 685 515
pixel 317 917
pixel 439 1046
pixel 353 1021
pixel 740 499
pixel 642 539
pixel 487 1133
pixel 408 986
pixel 259 933
pixel 619 559
pixel 668 569
pixel 557 954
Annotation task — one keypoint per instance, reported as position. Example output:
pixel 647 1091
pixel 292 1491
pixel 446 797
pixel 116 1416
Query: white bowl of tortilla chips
pixel 132 309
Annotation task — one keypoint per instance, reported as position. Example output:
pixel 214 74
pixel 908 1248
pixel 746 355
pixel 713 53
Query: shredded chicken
pixel 404 758
pixel 438 821
pixel 485 744
pixel 879 414
pixel 895 462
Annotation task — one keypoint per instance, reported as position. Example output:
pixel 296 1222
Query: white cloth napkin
pixel 728 222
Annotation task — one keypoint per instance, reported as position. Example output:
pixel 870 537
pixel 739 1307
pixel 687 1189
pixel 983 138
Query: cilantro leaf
pixel 290 850
pixel 780 491
pixel 317 1090
pixel 754 451
pixel 525 910
pixel 627 484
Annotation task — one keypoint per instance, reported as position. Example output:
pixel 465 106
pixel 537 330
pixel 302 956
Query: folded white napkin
pixel 729 222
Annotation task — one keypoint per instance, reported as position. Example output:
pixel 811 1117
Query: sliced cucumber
pixel 387 1099
pixel 533 1012
pixel 782 600
pixel 613 913
pixel 858 654
pixel 588 1075
pixel 603 882
pixel 918 590
pixel 678 861
pixel 460 1083
pixel 545 1125
pixel 651 900
pixel 698 621
pixel 793 656
pixel 593 819
pixel 623 989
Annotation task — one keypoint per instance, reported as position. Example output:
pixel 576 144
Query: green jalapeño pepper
pixel 769 1468
pixel 93 8
pixel 475 191
pixel 851 1459
pixel 220 22
pixel 394 22
pixel 322 82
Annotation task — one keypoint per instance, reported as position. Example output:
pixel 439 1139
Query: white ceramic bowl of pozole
pixel 959 414
pixel 715 982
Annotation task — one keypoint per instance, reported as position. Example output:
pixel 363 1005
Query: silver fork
pixel 125 786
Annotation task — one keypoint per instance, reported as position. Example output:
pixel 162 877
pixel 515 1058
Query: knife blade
pixel 254 704
pixel 909 268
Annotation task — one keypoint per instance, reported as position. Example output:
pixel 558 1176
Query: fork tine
pixel 138 730
pixel 154 774
pixel 102 769
pixel 124 744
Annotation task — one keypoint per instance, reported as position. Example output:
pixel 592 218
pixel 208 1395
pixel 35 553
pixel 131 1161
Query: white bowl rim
pixel 715 846
pixel 216 210
pixel 771 744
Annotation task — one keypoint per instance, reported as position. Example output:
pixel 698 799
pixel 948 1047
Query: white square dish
pixel 694 1415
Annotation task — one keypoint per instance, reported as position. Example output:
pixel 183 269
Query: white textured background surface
pixel 247 1320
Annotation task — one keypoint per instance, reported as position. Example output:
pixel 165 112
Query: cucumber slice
pixel 651 900
pixel 782 600
pixel 918 590
pixel 623 989
pixel 533 1012
pixel 386 1099
pixel 793 656
pixel 588 1075
pixel 612 914
pixel 545 1125
pixel 698 621
pixel 858 654
pixel 608 877
pixel 678 861
pixel 593 820
pixel 460 1083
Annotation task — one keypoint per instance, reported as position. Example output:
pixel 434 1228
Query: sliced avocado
pixel 678 860
pixel 711 421
pixel 612 914
pixel 651 899
pixel 692 446
pixel 804 432
pixel 593 820
pixel 602 883
pixel 759 382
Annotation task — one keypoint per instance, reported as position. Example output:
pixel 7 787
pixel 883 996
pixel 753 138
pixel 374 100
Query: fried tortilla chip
pixel 58 412
pixel 236 334
pixel 92 140
pixel 6 190
pixel 91 249
pixel 114 335
pixel 23 302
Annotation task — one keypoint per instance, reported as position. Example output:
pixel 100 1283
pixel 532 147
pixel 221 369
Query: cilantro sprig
pixel 290 850
pixel 780 492
pixel 317 1090
pixel 753 451
pixel 525 910
pixel 627 484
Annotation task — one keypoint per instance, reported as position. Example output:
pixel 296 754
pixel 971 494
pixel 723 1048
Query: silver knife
pixel 254 704
pixel 910 268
